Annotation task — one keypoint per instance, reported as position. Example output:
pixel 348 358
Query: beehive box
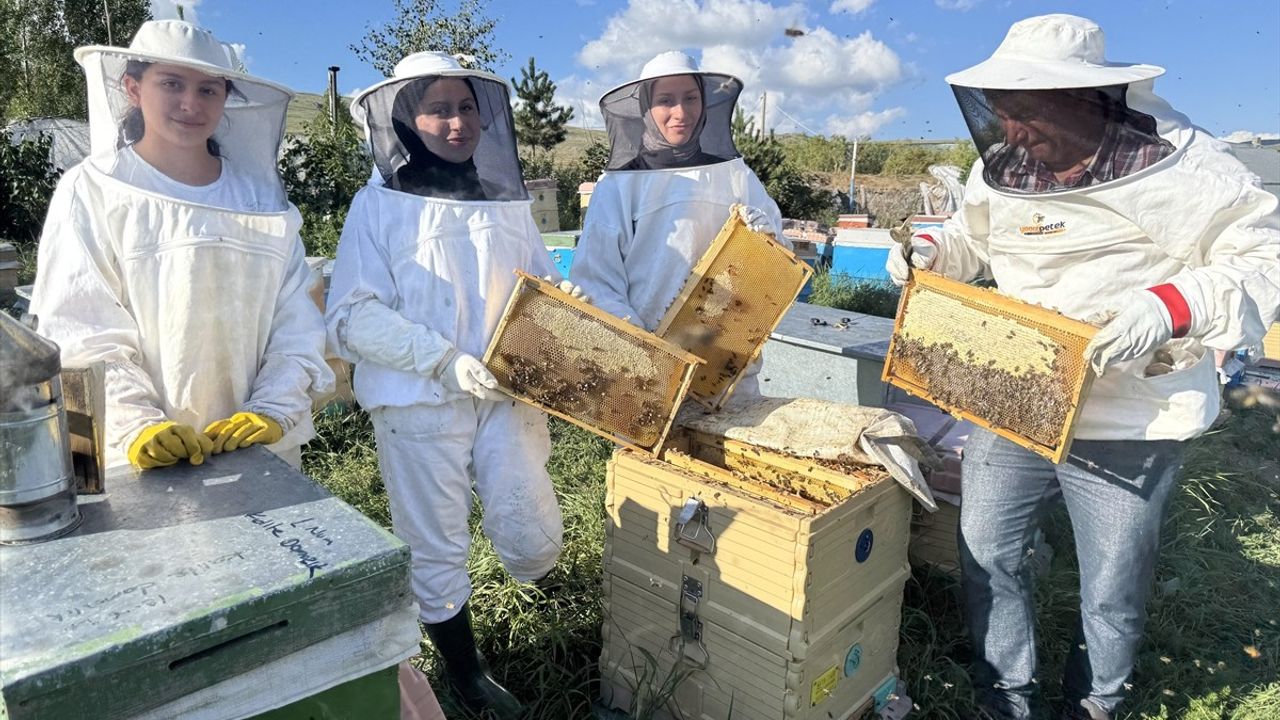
pixel 577 362
pixel 935 538
pixel 1271 346
pixel 769 586
pixel 1014 368
pixel 183 577
pixel 733 298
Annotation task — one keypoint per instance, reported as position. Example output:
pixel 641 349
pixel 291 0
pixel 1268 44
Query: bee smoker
pixel 37 482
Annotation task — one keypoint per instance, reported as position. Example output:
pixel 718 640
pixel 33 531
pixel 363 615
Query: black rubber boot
pixel 468 676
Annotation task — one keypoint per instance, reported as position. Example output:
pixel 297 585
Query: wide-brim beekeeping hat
pixel 1052 51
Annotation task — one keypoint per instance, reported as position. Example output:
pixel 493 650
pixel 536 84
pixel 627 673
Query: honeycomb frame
pixel 718 320
pixel 573 360
pixel 1032 356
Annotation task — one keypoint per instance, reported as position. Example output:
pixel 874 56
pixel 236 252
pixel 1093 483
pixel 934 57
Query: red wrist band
pixel 1177 306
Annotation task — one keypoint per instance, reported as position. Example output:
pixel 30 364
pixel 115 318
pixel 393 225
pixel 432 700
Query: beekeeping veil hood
pixel 635 143
pixel 252 125
pixel 1047 100
pixel 387 111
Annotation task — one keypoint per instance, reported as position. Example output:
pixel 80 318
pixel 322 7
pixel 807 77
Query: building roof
pixel 1263 162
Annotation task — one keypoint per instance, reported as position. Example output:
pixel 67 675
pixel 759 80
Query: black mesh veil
pixel 1047 141
pixel 404 162
pixel 624 110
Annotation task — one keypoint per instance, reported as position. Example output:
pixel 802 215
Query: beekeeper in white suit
pixel 172 254
pixel 672 177
pixel 425 268
pixel 1095 198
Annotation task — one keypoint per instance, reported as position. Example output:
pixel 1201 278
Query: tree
pixel 799 195
pixel 540 122
pixel 322 170
pixel 38 76
pixel 423 25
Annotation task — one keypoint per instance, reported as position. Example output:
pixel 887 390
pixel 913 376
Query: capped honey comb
pixel 1014 368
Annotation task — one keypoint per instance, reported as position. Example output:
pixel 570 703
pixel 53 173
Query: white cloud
pixel 850 6
pixel 864 124
pixel 822 79
pixel 584 97
pixel 168 10
pixel 1244 136
pixel 961 5
pixel 647 27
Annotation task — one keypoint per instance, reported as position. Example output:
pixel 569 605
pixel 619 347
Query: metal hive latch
pixel 692 527
pixel 687 644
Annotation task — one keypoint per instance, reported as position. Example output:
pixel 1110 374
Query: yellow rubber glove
pixel 166 443
pixel 242 430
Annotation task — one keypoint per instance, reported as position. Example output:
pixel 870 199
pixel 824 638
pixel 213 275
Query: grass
pixel 872 297
pixel 1215 607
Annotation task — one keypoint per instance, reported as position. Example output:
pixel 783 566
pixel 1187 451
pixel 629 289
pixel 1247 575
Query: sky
pixel 867 68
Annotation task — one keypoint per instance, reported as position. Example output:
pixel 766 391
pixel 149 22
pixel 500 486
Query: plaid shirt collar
pixel 1120 154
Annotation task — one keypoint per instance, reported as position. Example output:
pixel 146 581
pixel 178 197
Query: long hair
pixel 132 125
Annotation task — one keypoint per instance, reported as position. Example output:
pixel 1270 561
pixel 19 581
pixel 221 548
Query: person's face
pixel 676 107
pixel 448 120
pixel 1056 128
pixel 180 106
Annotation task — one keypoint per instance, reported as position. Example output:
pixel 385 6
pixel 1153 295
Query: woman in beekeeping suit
pixel 172 254
pixel 672 177
pixel 424 271
pixel 1095 198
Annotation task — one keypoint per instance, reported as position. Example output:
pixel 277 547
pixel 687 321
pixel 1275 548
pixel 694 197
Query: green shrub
pixel 871 157
pixel 911 160
pixel 27 180
pixel 870 297
pixel 322 169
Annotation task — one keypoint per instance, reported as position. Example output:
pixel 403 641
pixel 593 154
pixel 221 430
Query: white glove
pixel 923 255
pixel 1142 325
pixel 564 286
pixel 756 220
pixel 467 374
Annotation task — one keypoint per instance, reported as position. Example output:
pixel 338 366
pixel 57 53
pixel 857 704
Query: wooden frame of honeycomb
pixel 579 363
pixel 1011 367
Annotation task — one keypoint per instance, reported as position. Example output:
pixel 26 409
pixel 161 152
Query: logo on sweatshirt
pixel 1039 227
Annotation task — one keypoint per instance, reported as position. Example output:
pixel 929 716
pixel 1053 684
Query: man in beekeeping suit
pixel 1093 197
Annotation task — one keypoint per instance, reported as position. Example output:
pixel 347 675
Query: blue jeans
pixel 1116 493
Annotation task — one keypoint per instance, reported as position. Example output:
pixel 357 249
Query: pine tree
pixel 540 123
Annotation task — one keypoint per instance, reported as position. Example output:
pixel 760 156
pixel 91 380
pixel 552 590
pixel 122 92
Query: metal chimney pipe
pixel 333 96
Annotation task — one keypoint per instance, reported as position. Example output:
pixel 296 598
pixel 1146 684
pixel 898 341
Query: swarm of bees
pixel 1032 404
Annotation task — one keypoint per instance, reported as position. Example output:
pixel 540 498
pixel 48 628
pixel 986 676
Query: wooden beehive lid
pixel 577 362
pixel 732 300
pixel 1011 367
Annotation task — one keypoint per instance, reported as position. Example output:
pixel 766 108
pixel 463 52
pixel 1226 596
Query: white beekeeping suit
pixel 195 296
pixel 1160 228
pixel 425 268
pixel 658 206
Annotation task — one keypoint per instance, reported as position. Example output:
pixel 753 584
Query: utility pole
pixel 853 170
pixel 764 111
pixel 333 98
